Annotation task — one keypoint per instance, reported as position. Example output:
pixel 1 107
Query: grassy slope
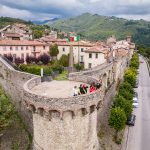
pixel 13 132
pixel 95 27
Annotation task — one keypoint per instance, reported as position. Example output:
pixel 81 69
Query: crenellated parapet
pixel 56 107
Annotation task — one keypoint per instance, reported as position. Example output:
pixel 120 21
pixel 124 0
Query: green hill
pixel 4 21
pixel 96 27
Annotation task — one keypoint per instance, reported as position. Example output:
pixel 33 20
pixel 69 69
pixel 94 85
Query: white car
pixel 135 104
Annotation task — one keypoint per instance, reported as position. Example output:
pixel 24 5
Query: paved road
pixel 139 135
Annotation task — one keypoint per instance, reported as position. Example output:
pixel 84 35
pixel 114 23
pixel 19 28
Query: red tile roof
pixel 21 43
pixel 98 49
pixel 12 35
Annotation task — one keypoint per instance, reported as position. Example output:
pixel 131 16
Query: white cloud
pixel 38 9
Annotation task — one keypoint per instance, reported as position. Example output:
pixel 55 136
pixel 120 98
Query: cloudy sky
pixel 46 9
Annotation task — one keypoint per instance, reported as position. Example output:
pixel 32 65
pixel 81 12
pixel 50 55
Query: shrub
pixel 44 58
pixel 130 76
pixel 9 57
pixel 64 60
pixel 79 66
pixel 19 61
pixel 36 69
pixel 126 94
pixel 57 67
pixel 117 119
pixel 126 86
pixel 121 102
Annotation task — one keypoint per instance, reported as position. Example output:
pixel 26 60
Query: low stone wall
pixel 61 104
pixel 94 72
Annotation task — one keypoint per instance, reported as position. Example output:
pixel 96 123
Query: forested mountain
pixel 4 21
pixel 96 27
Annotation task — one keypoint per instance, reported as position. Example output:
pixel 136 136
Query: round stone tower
pixel 64 123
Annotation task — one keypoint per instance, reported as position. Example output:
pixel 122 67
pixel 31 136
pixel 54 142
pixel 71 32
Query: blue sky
pixel 46 9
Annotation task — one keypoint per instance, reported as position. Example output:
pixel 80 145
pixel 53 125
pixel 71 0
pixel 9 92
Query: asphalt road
pixel 139 135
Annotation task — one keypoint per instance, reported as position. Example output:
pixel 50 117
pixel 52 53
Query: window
pixel 27 54
pixel 11 48
pixel 16 47
pixel 21 47
pixel 81 49
pixel 44 47
pixel 90 55
pixel 26 47
pixel 4 48
pixel 89 65
pixel 63 49
pixel 96 55
pixel 22 55
pixel 81 58
pixel 34 48
pixel 14 56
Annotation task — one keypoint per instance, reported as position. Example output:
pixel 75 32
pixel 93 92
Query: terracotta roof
pixel 121 52
pixel 98 49
pixel 80 43
pixel 12 35
pixel 21 42
pixel 51 39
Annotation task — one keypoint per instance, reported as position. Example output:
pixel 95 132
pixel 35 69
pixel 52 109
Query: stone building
pixel 16 32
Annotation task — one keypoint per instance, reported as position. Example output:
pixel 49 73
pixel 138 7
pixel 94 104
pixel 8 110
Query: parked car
pixel 135 104
pixel 141 62
pixel 135 96
pixel 136 83
pixel 131 120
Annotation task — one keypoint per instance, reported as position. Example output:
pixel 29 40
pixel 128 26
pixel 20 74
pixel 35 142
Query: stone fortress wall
pixel 58 123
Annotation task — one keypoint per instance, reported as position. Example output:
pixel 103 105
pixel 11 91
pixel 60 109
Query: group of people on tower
pixel 83 88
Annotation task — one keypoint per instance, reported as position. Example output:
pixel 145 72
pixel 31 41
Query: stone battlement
pixel 46 106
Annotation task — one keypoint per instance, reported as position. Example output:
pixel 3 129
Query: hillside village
pixel 17 40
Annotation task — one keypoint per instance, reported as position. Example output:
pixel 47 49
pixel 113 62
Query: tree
pixel 44 58
pixel 19 61
pixel 126 105
pixel 9 57
pixel 64 60
pixel 79 66
pixel 130 76
pixel 126 86
pixel 126 94
pixel 117 119
pixel 54 51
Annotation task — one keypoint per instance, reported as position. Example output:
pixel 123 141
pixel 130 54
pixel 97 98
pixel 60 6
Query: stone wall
pixel 64 123
pixel 12 81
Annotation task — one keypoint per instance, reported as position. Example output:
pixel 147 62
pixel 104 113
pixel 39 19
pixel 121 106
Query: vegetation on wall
pixel 123 101
pixel 14 134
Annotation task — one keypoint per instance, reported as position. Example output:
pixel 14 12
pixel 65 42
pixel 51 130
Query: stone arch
pixel 99 105
pixel 32 108
pixel 92 108
pixel 109 78
pixel 68 113
pixel 54 114
pixel 40 111
pixel 104 80
pixel 84 111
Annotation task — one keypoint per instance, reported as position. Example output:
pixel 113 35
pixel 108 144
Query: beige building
pixel 79 49
pixel 95 56
pixel 22 48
